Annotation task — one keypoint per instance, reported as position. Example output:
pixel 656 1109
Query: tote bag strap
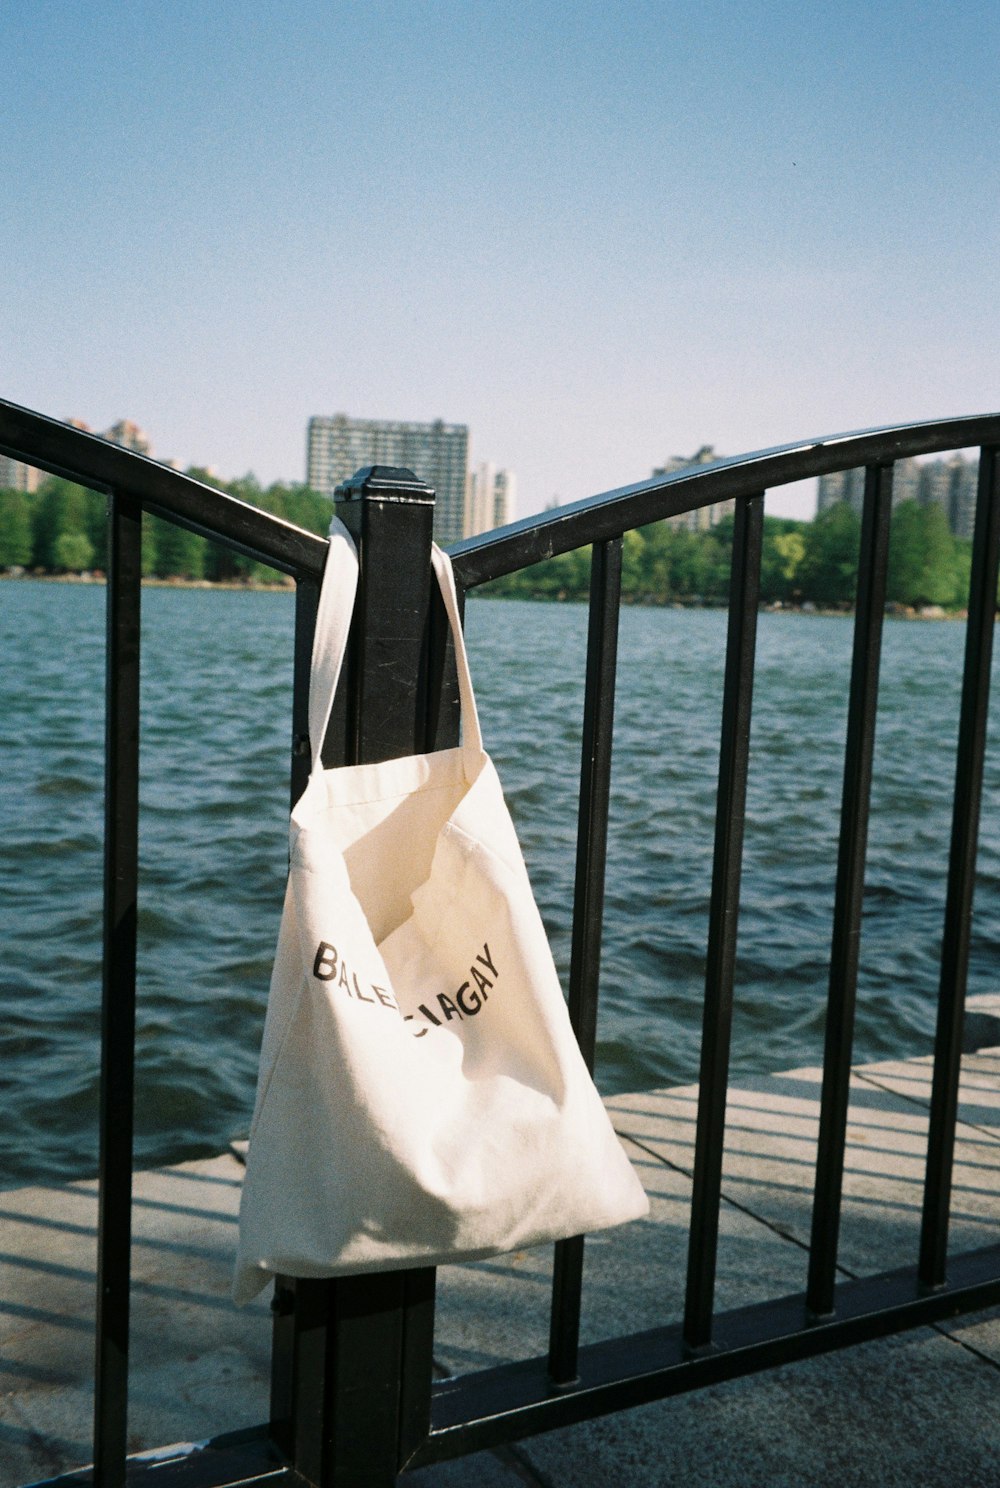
pixel 472 737
pixel 333 623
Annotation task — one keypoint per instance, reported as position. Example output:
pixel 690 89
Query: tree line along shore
pixel 61 530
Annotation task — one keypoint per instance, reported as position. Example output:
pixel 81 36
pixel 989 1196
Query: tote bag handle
pixel 333 623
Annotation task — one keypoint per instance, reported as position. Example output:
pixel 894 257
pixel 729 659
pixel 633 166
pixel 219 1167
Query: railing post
pixel 723 917
pixel 354 1367
pixel 588 904
pixel 873 561
pixel 961 873
pixel 121 878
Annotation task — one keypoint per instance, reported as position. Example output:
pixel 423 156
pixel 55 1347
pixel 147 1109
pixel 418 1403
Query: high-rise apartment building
pixel 18 477
pixel 706 516
pixel 125 433
pixel 949 483
pixel 963 485
pixel 842 485
pixel 128 434
pixel 504 498
pixel 438 452
pixel 849 486
pixel 489 498
pixel 15 476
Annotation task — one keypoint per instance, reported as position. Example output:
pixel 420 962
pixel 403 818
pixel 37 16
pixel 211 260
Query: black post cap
pixel 385 483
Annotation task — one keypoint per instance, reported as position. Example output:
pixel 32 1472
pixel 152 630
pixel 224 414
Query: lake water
pixel 215 743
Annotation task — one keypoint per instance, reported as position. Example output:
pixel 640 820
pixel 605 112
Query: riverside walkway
pixel 918 1408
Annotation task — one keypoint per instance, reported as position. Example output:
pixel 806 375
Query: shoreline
pixel 286 585
pixel 282 585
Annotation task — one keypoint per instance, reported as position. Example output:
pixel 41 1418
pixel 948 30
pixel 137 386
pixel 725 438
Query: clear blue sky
pixel 600 235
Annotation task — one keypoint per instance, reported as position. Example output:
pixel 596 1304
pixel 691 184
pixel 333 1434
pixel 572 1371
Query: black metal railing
pixel 371 1338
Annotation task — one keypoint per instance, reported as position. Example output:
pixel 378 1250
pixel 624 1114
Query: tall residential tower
pixel 950 483
pixel 15 476
pixel 489 498
pixel 438 452
pixel 704 517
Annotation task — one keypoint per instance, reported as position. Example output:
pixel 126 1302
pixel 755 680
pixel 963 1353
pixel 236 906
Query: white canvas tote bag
pixel 422 1098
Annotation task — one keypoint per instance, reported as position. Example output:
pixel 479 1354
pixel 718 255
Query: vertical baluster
pixel 846 943
pixel 121 869
pixel 723 917
pixel 300 1308
pixel 588 902
pixel 961 873
pixel 306 604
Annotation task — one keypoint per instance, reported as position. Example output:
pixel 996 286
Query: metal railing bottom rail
pixel 509 1402
pixel 237 1458
pixel 517 1400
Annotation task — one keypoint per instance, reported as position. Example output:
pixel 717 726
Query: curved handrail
pixel 65 450
pixel 597 518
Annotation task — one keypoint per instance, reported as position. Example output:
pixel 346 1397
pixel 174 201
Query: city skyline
pixel 470 498
pixel 473 497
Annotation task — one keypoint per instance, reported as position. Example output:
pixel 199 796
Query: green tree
pixel 177 553
pixel 62 508
pixel 716 561
pixel 95 527
pixel 308 508
pixel 218 564
pixel 656 576
pixel 684 567
pixel 566 576
pixel 148 550
pixel 293 503
pixel 246 488
pixel 15 529
pixel 829 565
pixel 297 504
pixel 700 561
pixel 925 565
pixel 633 554
pixel 784 548
pixel 73 552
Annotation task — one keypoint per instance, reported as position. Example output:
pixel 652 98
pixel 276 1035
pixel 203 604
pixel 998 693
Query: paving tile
pixel 198 1365
pixel 506 1468
pixel 772 1126
pixel 634 1278
pixel 919 1408
pixel 979 1332
pixel 978 1089
pixel 895 1413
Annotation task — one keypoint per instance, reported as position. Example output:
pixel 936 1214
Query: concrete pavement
pixel 919 1408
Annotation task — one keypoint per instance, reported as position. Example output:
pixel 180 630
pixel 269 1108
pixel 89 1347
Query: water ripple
pixel 213 845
